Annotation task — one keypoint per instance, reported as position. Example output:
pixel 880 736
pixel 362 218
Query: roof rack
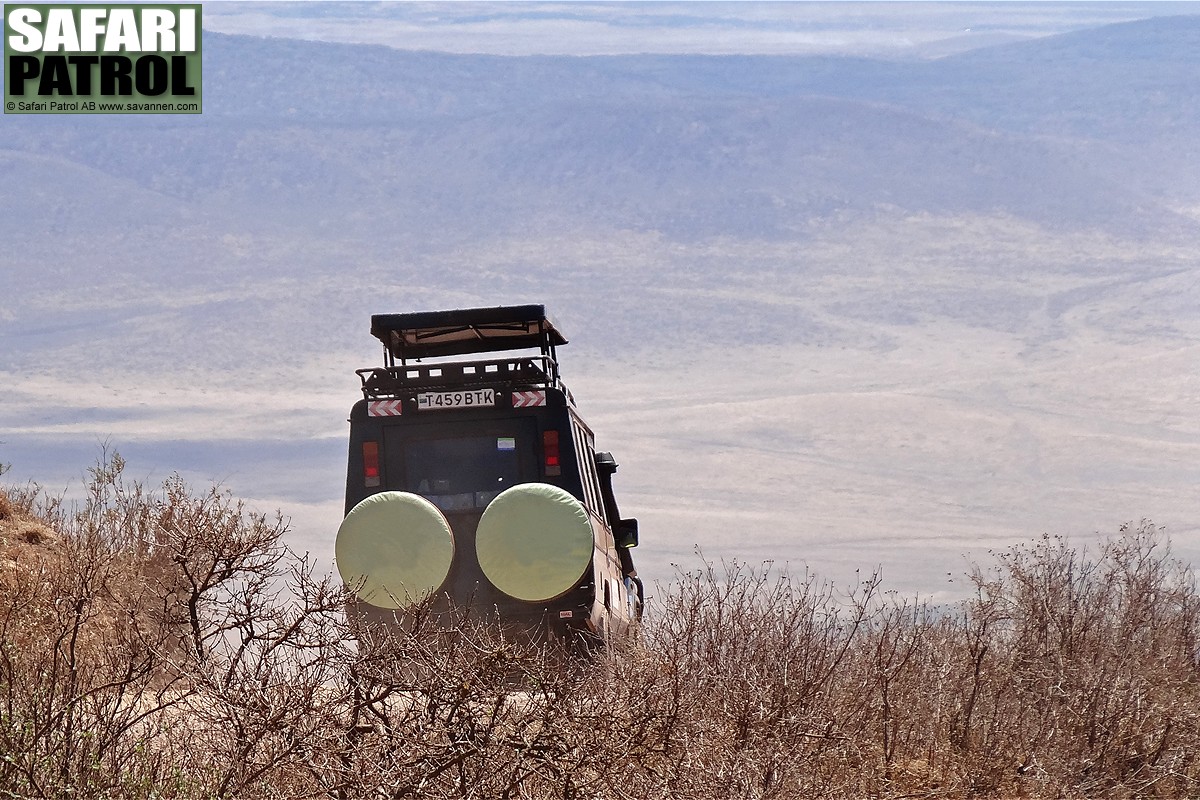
pixel 427 334
pixel 430 334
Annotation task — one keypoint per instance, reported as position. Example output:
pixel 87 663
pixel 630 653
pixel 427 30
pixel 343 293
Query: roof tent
pixel 425 334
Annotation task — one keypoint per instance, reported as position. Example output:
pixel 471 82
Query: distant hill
pixel 1080 130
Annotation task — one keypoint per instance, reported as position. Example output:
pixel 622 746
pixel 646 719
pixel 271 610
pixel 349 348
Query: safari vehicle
pixel 474 486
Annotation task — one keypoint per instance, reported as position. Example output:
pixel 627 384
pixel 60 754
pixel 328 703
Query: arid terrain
pixel 163 643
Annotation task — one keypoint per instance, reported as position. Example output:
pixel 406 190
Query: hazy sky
pixel 895 29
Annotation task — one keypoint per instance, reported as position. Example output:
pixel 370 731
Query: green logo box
pixel 102 59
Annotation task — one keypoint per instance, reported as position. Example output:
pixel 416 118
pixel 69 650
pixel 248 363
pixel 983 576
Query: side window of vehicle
pixel 594 480
pixel 587 469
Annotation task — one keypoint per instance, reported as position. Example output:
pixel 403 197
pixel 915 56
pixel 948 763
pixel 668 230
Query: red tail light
pixel 370 464
pixel 550 452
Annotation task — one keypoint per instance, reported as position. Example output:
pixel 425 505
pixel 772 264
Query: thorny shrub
pixel 165 643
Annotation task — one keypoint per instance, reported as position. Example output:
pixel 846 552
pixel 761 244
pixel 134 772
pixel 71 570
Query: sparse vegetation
pixel 166 643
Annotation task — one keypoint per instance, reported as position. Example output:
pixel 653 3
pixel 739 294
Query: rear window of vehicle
pixel 462 473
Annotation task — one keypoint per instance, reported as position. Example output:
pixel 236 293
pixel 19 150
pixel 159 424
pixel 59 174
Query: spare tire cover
pixel 534 541
pixel 394 548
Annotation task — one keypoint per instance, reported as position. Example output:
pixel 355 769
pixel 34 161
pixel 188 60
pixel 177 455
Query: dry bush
pixel 475 715
pixel 165 643
pixel 80 679
pixel 1065 675
pixel 141 646
pixel 1084 680
pixel 753 659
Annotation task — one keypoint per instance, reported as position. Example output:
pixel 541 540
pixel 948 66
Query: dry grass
pixel 165 644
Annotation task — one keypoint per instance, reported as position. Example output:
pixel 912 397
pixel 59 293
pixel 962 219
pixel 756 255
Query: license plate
pixel 429 401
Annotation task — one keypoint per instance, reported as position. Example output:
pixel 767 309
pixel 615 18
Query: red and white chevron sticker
pixel 383 408
pixel 528 399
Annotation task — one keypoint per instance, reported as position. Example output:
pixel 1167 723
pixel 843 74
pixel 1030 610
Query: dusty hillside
pixel 164 643
pixel 20 532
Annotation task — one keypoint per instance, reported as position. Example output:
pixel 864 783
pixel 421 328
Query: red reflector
pixel 371 463
pixel 550 452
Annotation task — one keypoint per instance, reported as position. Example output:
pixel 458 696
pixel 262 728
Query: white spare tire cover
pixel 534 541
pixel 394 549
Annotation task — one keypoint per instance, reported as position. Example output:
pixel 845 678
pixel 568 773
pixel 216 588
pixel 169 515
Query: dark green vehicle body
pixel 459 432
